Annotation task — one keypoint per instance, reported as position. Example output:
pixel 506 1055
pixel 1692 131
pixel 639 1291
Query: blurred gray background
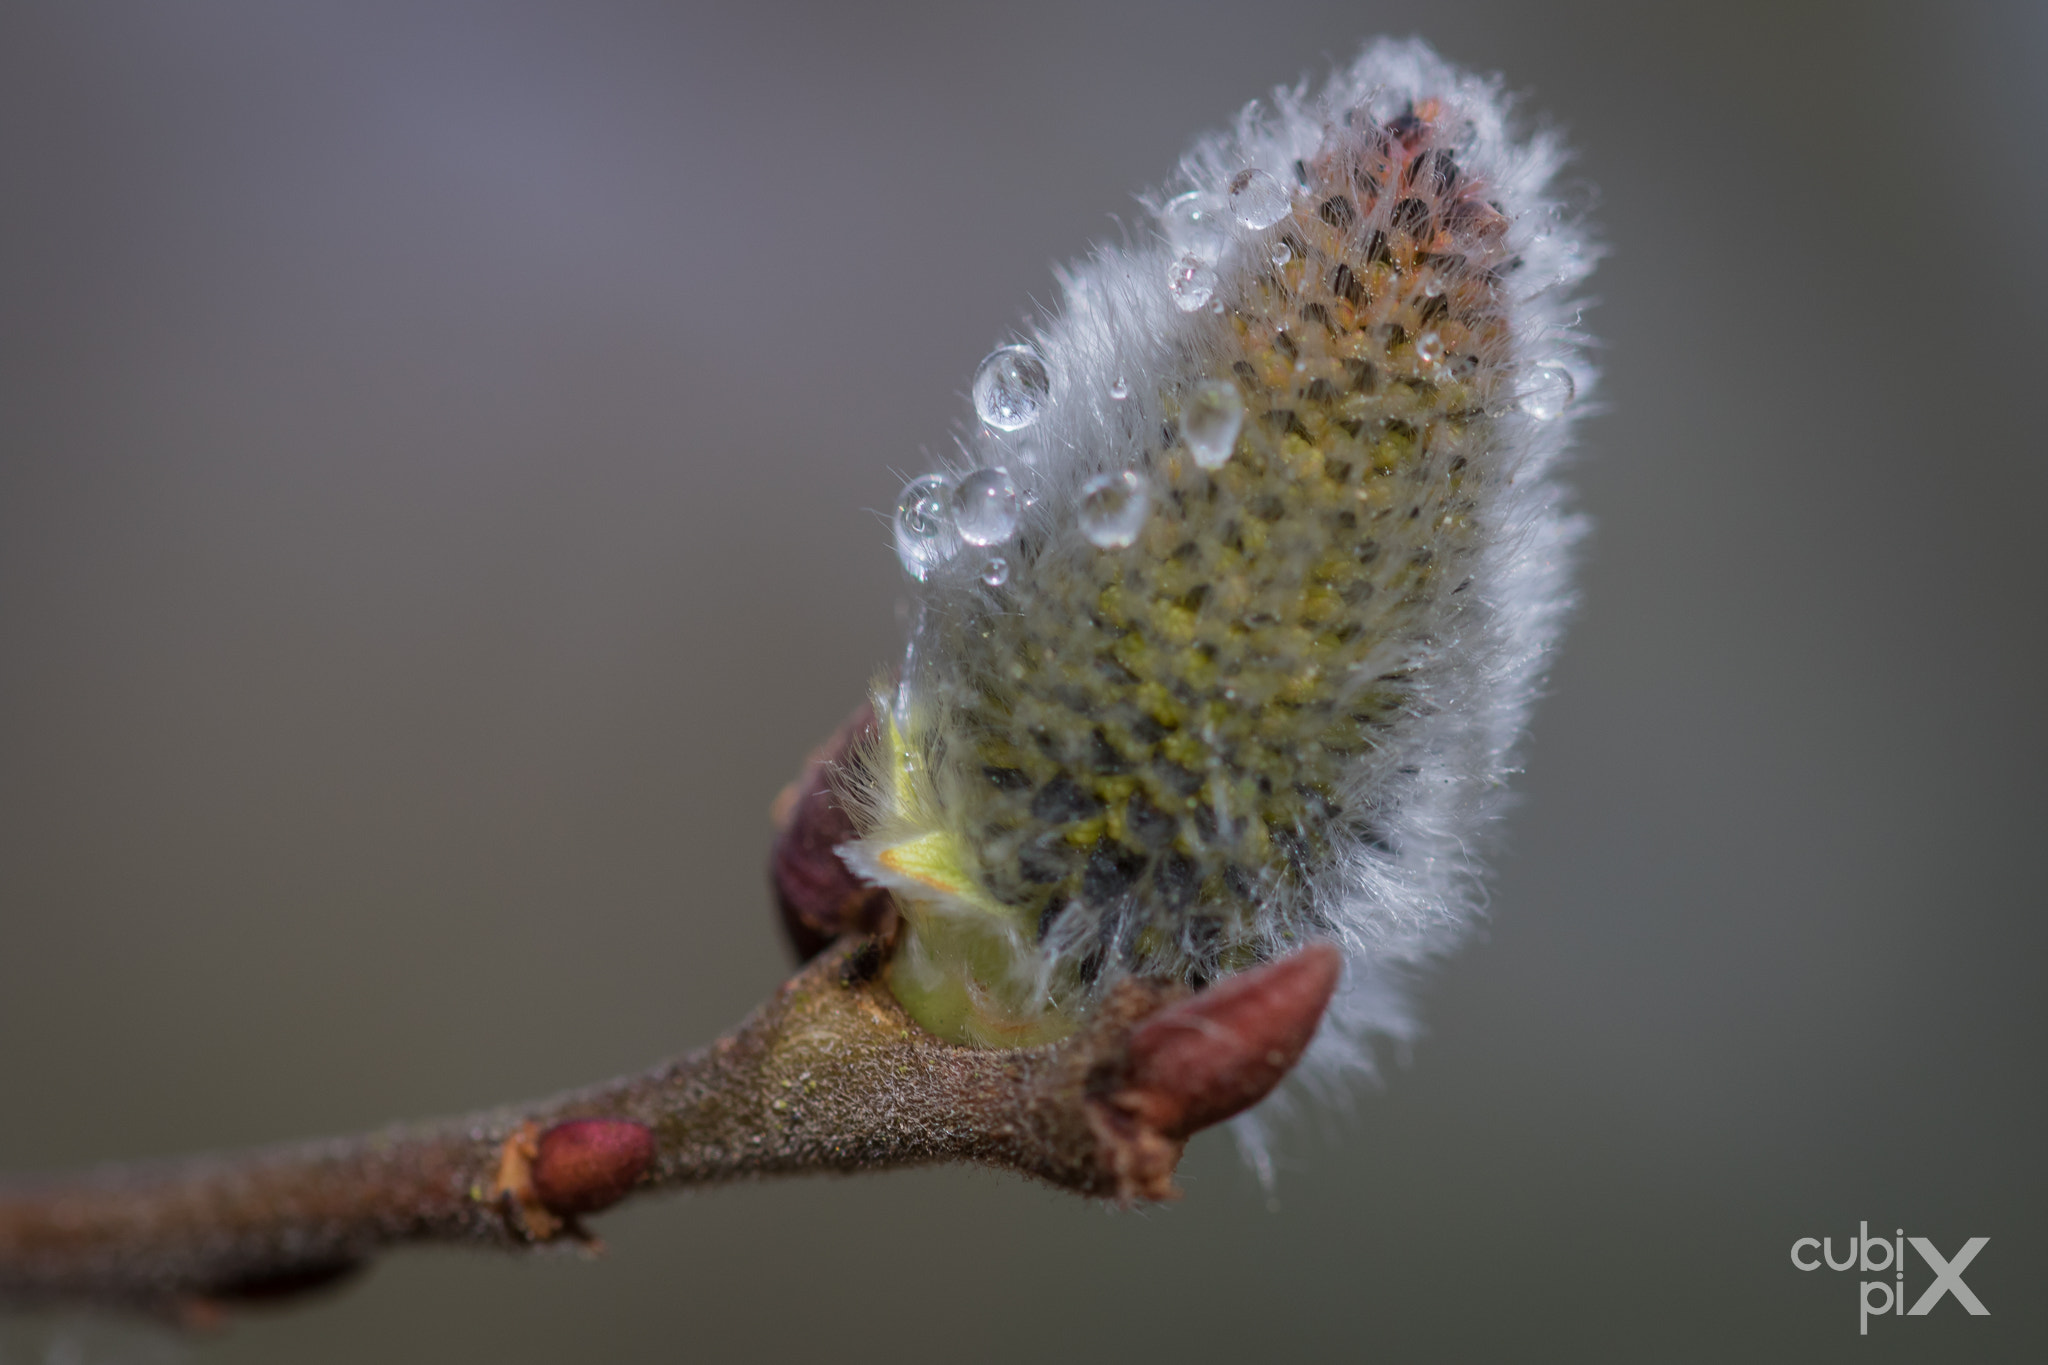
pixel 438 453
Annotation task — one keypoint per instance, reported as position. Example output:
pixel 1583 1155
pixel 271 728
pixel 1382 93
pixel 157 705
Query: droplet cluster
pixel 937 515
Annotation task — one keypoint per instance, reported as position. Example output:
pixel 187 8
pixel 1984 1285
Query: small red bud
pixel 819 896
pixel 1204 1058
pixel 589 1164
pixel 1221 1050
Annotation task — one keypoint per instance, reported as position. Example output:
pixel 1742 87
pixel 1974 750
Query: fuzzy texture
pixel 1280 703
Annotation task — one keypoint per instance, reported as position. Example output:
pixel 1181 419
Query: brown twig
pixel 828 1075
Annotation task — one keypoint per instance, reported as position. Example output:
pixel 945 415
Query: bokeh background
pixel 440 448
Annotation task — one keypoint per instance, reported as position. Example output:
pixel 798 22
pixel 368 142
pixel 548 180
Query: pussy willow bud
pixel 1230 615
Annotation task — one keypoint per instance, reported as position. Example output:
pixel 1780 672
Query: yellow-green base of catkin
pixel 1161 735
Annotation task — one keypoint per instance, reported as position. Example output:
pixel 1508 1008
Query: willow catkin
pixel 1229 615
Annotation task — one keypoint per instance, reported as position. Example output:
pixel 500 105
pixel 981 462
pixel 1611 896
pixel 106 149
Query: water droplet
pixel 1120 390
pixel 1194 224
pixel 1192 282
pixel 996 572
pixel 925 535
pixel 1113 508
pixel 1258 200
pixel 1011 388
pixel 1282 253
pixel 1210 421
pixel 1548 392
pixel 1429 347
pixel 985 507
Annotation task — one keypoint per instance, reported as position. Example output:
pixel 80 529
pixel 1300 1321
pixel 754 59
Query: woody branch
pixel 828 1075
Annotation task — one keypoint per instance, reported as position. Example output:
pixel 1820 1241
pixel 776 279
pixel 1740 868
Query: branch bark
pixel 828 1075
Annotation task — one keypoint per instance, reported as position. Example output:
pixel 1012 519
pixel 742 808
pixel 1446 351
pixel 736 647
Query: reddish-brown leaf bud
pixel 1202 1059
pixel 819 896
pixel 1221 1050
pixel 589 1164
